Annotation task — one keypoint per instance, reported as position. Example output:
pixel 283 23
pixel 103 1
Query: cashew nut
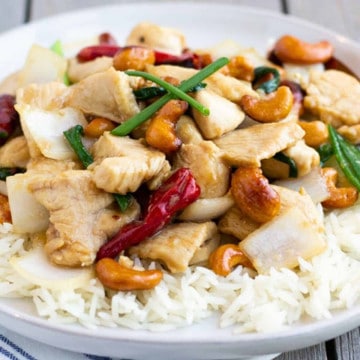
pixel 253 194
pixel 225 257
pixel 290 49
pixel 161 131
pixel 316 132
pixel 240 68
pixel 133 57
pixel 5 214
pixel 339 197
pixel 119 277
pixel 271 108
pixel 96 127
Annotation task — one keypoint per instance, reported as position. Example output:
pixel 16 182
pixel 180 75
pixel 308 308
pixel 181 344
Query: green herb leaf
pixel 73 136
pixel 293 171
pixel 270 85
pixel 129 125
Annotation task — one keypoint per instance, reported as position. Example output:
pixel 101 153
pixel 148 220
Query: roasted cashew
pixel 161 131
pixel 240 68
pixel 119 277
pixel 339 197
pixel 272 108
pixel 316 132
pixel 5 214
pixel 253 194
pixel 134 58
pixel 96 127
pixel 290 49
pixel 225 257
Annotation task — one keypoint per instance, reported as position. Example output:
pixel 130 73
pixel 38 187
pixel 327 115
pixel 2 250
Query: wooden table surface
pixel 324 12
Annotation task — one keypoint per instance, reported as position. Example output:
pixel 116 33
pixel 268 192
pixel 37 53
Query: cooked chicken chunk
pixel 111 220
pixel 107 94
pixel 187 131
pixel 224 115
pixel 334 97
pixel 225 86
pixel 122 164
pixel 78 71
pixel 157 37
pixel 74 204
pixel 301 235
pixel 351 133
pixel 247 147
pixel 28 215
pixel 306 158
pixel 204 161
pixel 176 244
pixel 15 153
pixel 237 224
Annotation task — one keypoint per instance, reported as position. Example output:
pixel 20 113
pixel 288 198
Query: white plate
pixel 204 25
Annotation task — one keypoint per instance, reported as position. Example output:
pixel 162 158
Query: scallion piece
pixel 57 48
pixel 325 151
pixel 154 91
pixel 293 171
pixel 123 201
pixel 9 171
pixel 129 125
pixel 73 136
pixel 270 85
pixel 347 156
pixel 175 91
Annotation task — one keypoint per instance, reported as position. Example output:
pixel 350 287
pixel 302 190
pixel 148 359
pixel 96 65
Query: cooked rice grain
pixel 263 303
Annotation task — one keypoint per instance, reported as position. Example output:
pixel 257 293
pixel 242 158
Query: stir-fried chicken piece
pixel 187 131
pixel 176 244
pixel 107 94
pixel 123 164
pixel 28 215
pixel 157 37
pixel 334 97
pixel 306 158
pixel 237 224
pixel 225 86
pixel 247 147
pixel 75 205
pixel 204 161
pixel 224 115
pixel 78 71
pixel 15 153
pixel 301 235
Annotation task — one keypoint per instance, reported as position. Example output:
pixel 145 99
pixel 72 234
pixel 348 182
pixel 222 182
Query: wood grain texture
pixel 323 12
pixel 311 353
pixel 12 13
pixel 348 345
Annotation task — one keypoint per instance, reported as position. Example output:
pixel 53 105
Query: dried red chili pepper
pixel 92 52
pixel 107 39
pixel 9 118
pixel 177 192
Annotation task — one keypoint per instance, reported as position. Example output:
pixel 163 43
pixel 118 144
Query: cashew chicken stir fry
pixel 152 150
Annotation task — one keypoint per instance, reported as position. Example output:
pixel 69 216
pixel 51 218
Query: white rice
pixel 263 303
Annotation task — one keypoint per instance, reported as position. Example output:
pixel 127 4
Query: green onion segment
pixel 128 126
pixel 270 85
